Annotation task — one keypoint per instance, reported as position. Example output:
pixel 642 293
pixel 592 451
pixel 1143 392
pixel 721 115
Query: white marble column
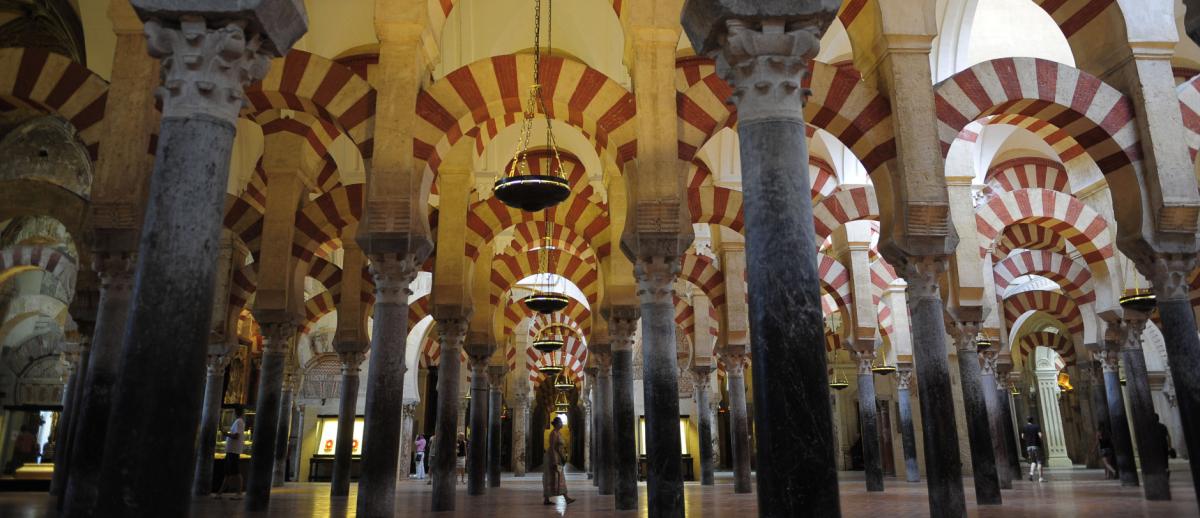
pixel 1052 431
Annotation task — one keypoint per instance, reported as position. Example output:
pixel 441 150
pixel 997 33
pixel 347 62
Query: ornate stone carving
pixel 115 270
pixel 656 279
pixel 452 332
pixel 392 275
pixel 921 274
pixel 765 66
pixel 864 357
pixel 205 71
pixel 904 378
pixel 277 335
pixel 987 362
pixel 734 361
pixel 1168 273
pixel 1110 360
pixel 351 362
pixel 622 324
pixel 1133 324
pixel 965 333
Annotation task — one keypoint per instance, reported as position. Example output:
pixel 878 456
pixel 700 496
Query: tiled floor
pixel 1066 493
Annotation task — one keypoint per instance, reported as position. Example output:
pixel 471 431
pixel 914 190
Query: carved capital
pixel 277 335
pixel 205 70
pixel 965 333
pixel 987 362
pixel 903 378
pixel 115 271
pixel 656 279
pixel 1133 323
pixel 921 274
pixel 452 332
pixel 703 380
pixel 215 364
pixel 765 65
pixel 496 377
pixel 863 358
pixel 392 275
pixel 734 360
pixel 622 324
pixel 408 410
pixel 479 365
pixel 1168 274
pixel 1110 360
pixel 351 362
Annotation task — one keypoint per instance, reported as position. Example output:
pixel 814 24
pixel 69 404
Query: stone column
pixel 1169 276
pixel 452 331
pixel 734 358
pixel 1010 432
pixel 1052 432
pixel 392 273
pixel 589 417
pixel 477 447
pixel 218 360
pixel 704 425
pixel 867 414
pixel 72 357
pixel 622 321
pixel 406 440
pixel 943 465
pixel 606 465
pixel 983 456
pixel 99 379
pixel 995 415
pixel 1151 450
pixel 277 338
pixel 764 58
pixel 205 65
pixel 496 375
pixel 908 438
pixel 343 449
pixel 286 402
pixel 520 419
pixel 1110 365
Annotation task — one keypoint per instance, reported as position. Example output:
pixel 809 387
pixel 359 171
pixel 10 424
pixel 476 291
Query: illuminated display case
pixel 689 473
pixel 320 464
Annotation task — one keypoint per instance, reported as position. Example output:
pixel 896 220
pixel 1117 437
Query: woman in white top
pixel 235 442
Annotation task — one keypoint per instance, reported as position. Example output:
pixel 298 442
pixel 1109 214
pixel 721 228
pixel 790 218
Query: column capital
pixel 988 359
pixel 922 274
pixel 863 358
pixel 452 332
pixel 392 274
pixel 765 63
pixel 1168 274
pixel 965 333
pixel 408 409
pixel 656 278
pixel 496 376
pixel 115 271
pixel 622 324
pixel 734 358
pixel 1110 360
pixel 703 378
pixel 904 378
pixel 351 361
pixel 277 335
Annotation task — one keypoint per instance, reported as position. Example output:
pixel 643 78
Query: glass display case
pixel 689 473
pixel 320 464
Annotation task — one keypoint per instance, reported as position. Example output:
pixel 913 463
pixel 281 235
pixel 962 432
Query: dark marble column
pixel 908 438
pixel 623 445
pixel 286 400
pixel 734 358
pixel 1152 453
pixel 343 448
pixel 277 337
pixel 99 379
pixel 392 273
pixel 72 356
pixel 1122 443
pixel 1010 432
pixel 995 415
pixel 477 447
pixel 704 424
pixel 868 421
pixel 943 465
pixel 764 58
pixel 202 480
pixel 452 333
pixel 606 466
pixel 1169 275
pixel 496 375
pixel 156 403
pixel 660 383
pixel 520 426
pixel 983 456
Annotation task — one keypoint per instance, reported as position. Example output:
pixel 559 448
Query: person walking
pixel 1031 435
pixel 420 448
pixel 235 442
pixel 461 461
pixel 1105 447
pixel 554 480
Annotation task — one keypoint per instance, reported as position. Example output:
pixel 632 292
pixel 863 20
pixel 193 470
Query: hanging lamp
pixel 562 384
pixel 561 405
pixel 550 370
pixel 838 382
pixel 883 369
pixel 547 344
pixel 519 187
pixel 545 301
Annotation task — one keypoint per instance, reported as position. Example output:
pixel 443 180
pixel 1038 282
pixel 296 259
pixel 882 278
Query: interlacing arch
pixel 319 223
pixel 20 258
pixel 573 357
pixel 1054 304
pixel 1029 236
pixel 513 312
pixel 1027 173
pixel 491 89
pixel 532 234
pixel 851 203
pixel 1072 276
pixel 584 213
pixel 45 82
pixel 1057 342
pixel 439 12
pixel 835 280
pixel 702 272
pixel 1061 213
pixel 507 270
pixel 1189 107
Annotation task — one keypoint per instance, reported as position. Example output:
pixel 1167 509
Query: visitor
pixel 420 447
pixel 461 462
pixel 235 442
pixel 1105 447
pixel 554 481
pixel 1031 435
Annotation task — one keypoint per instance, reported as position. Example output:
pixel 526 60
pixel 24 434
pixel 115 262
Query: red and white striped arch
pixel 320 223
pixel 514 312
pixel 1079 224
pixel 493 90
pixel 690 70
pixel 1054 304
pixel 835 280
pixel 45 258
pixel 1189 107
pixel 1029 236
pixel 715 205
pixel 1095 114
pixel 318 135
pixel 573 356
pixel 1027 173
pixel 685 316
pixel 584 213
pixel 326 273
pixel 1058 342
pixel 308 83
pixel 242 285
pixel 851 203
pixel 439 12
pixel 41 81
pixel 507 270
pixel 245 220
pixel 701 271
pixel 1072 276
pixel 532 234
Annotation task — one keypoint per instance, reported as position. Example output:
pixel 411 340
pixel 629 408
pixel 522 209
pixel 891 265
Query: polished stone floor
pixel 1065 493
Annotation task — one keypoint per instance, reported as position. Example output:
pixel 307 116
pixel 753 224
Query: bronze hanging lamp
pixel 548 344
pixel 562 384
pixel 545 301
pixel 1139 300
pixel 519 187
pixel 550 370
pixel 561 405
pixel 838 382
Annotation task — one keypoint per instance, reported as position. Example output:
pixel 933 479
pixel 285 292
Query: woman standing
pixel 554 481
pixel 461 462
pixel 420 461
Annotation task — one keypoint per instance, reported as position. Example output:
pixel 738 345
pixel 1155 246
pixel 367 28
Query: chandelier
pixel 562 384
pixel 838 382
pixel 1139 300
pixel 561 405
pixel 543 300
pixel 519 187
pixel 550 370
pixel 548 344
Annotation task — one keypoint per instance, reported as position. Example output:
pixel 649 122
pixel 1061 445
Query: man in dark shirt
pixel 1031 435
